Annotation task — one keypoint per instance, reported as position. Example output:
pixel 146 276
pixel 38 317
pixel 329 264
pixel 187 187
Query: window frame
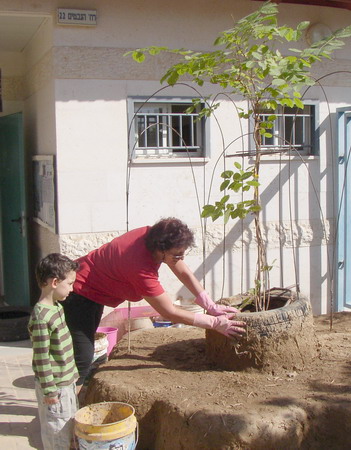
pixel 291 151
pixel 154 153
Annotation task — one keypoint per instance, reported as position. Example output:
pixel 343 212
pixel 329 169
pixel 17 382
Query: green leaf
pixel 299 103
pixel 156 50
pixel 216 215
pixel 247 175
pixel 242 213
pixel 224 185
pixel 232 185
pixel 237 165
pixel 235 214
pixel 279 82
pixel 236 186
pixel 190 110
pixel 287 102
pixel 288 34
pixel 219 41
pixel 224 200
pixel 207 210
pixel 227 174
pixel 253 183
pixel 173 78
pixel 227 215
pixel 138 56
pixel 303 25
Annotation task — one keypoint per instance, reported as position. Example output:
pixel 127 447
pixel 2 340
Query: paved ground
pixel 19 422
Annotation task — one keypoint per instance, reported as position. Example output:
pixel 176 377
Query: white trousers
pixel 56 421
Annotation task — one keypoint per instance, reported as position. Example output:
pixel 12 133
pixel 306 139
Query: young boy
pixel 53 360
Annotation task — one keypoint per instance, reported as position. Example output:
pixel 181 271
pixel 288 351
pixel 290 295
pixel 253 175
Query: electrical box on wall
pixel 44 192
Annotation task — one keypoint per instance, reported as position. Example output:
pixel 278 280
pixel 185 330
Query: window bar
pixel 304 140
pixel 192 140
pixel 145 130
pixel 271 142
pixel 161 133
pixel 158 130
pixel 140 130
pixel 286 139
pixel 277 131
pixel 180 137
pixel 137 132
pixel 293 131
pixel 169 131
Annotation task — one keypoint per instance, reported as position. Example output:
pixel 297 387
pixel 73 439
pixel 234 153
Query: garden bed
pixel 184 401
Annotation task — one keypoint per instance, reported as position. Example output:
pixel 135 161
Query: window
pixel 294 129
pixel 164 129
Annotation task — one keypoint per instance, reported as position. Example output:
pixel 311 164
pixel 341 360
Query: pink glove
pixel 213 308
pixel 222 324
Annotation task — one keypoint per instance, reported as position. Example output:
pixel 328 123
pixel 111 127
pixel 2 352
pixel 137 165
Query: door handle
pixel 21 220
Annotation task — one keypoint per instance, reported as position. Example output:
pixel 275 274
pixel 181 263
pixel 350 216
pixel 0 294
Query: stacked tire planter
pixel 281 338
pixel 14 323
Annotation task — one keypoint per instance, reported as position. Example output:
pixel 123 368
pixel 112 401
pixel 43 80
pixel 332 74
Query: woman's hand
pixel 222 324
pixel 212 308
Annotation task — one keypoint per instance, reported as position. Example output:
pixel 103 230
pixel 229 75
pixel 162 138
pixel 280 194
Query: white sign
pixel 86 17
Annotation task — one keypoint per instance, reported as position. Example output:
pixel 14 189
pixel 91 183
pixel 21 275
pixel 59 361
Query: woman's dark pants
pixel 83 317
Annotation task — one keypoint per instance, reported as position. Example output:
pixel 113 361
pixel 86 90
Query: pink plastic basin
pixel 111 336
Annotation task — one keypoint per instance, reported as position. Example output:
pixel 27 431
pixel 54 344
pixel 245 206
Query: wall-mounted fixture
pixel 317 32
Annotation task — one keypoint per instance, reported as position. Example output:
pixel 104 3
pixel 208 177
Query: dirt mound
pixel 184 401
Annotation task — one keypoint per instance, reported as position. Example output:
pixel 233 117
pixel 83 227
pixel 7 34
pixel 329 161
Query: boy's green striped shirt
pixel 53 359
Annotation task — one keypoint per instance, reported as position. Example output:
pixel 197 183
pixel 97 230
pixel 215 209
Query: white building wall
pixel 170 186
pixel 77 86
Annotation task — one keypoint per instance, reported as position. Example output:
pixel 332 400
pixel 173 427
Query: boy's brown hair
pixel 54 265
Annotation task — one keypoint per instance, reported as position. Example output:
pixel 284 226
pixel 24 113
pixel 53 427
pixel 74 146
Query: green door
pixel 14 248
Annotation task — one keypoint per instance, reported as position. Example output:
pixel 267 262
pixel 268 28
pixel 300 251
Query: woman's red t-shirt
pixel 122 269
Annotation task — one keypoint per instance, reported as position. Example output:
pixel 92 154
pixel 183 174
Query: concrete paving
pixel 19 422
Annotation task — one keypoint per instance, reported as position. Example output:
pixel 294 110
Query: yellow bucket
pixel 100 425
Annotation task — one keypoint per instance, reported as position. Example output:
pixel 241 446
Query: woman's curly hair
pixel 169 233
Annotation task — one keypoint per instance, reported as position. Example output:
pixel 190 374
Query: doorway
pixel 13 225
pixel 343 214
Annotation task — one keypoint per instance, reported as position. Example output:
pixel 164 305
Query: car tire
pixel 14 323
pixel 275 339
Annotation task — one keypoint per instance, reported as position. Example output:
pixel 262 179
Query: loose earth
pixel 182 401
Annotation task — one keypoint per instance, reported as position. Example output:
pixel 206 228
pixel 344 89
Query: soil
pixel 182 401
